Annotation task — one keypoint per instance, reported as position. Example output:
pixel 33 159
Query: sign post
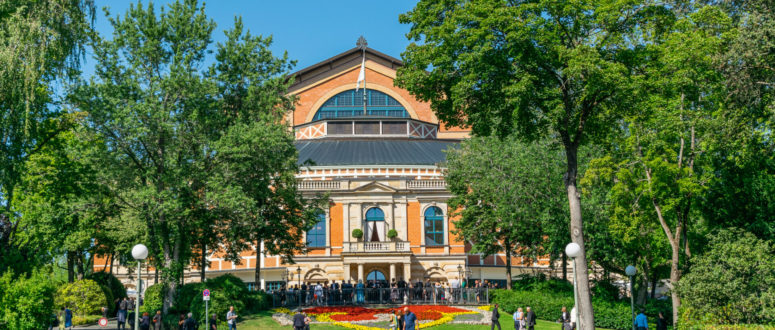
pixel 206 298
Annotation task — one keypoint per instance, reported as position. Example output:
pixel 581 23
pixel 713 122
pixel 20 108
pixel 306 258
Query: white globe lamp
pixel 139 252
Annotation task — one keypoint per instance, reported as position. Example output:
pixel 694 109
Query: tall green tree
pixel 168 126
pixel 528 67
pixel 664 163
pixel 507 193
pixel 40 44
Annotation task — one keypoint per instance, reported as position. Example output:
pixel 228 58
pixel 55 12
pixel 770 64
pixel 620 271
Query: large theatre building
pixel 382 166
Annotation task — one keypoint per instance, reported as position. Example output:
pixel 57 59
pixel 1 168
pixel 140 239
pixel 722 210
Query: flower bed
pixel 355 317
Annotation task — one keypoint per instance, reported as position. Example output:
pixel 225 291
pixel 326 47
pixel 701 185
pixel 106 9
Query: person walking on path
pixel 641 321
pixel 298 321
pixel 530 319
pixel 410 320
pixel 190 323
pixel 121 315
pixel 495 316
pixel 145 322
pixel 213 322
pixel 68 318
pixel 565 319
pixel 157 321
pixel 231 318
pixel 661 322
pixel 519 319
pixel 359 291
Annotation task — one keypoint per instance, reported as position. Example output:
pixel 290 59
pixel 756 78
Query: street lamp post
pixel 298 270
pixel 139 252
pixel 630 271
pixel 573 250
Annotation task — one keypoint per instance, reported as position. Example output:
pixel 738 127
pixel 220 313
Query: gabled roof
pixel 342 61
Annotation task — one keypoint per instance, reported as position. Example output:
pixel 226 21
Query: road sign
pixel 206 298
pixel 103 322
pixel 206 293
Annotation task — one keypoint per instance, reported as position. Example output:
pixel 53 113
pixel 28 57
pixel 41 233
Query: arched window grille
pixel 375 214
pixel 434 226
pixel 316 237
pixel 349 104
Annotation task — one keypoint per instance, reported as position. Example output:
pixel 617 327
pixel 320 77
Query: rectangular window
pixel 316 237
pixel 434 232
pixel 394 127
pixel 340 128
pixel 367 128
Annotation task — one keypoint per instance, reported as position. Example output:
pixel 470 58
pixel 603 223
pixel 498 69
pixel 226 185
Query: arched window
pixel 375 275
pixel 316 237
pixel 375 214
pixel 434 226
pixel 350 104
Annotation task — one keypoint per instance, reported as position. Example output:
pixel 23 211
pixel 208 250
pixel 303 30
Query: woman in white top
pixel 519 319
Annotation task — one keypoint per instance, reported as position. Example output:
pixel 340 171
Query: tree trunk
pixel 654 281
pixel 257 278
pixel 112 258
pixel 586 313
pixel 70 267
pixel 508 266
pixel 675 275
pixel 564 266
pixel 155 274
pixel 643 292
pixel 79 264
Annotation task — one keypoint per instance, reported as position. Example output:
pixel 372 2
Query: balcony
pixel 321 185
pixel 376 247
pixel 426 184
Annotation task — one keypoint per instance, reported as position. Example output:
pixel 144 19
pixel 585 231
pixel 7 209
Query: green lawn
pixel 263 320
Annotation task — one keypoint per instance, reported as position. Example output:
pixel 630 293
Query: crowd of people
pixel 382 292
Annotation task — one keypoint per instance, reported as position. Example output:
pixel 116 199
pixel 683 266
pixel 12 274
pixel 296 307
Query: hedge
pixel 547 305
pixel 86 319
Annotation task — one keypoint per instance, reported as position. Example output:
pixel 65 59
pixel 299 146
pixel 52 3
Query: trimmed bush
pixel 86 319
pixel 83 297
pixel 357 233
pixel 26 303
pixel 392 233
pixel 153 299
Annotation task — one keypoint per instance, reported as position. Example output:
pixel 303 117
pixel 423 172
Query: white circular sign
pixel 103 322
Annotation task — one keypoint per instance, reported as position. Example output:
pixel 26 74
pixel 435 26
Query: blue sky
pixel 311 31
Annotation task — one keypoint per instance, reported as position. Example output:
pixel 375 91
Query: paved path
pixel 112 325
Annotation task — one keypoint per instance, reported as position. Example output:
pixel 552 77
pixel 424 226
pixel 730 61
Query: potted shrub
pixel 392 234
pixel 357 233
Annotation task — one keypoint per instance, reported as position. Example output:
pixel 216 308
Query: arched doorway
pixel 375 225
pixel 377 277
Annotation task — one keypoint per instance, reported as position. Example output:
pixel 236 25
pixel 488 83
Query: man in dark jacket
pixel 495 316
pixel 530 319
pixel 298 321
pixel 190 323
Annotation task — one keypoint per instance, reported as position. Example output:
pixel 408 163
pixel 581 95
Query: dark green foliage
pixel 732 282
pixel 392 233
pixel 225 290
pixel 357 233
pixel 26 303
pixel 605 290
pixel 541 283
pixel 115 287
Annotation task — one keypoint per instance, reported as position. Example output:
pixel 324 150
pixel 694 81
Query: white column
pixel 407 272
pixel 392 272
pixel 360 273
pixel 328 231
pixel 347 272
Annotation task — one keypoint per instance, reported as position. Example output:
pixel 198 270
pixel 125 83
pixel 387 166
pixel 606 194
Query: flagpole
pixel 364 84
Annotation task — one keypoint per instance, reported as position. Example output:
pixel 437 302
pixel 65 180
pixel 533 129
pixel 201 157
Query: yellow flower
pixel 485 308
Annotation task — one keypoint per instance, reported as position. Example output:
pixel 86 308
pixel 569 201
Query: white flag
pixel 362 74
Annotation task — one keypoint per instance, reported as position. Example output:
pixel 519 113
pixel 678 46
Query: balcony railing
pixel 426 184
pixel 372 247
pixel 321 185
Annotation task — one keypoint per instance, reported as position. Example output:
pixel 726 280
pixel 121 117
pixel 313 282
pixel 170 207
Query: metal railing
pixel 380 296
pixel 324 185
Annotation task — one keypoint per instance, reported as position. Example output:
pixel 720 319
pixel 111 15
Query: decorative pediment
pixel 374 186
